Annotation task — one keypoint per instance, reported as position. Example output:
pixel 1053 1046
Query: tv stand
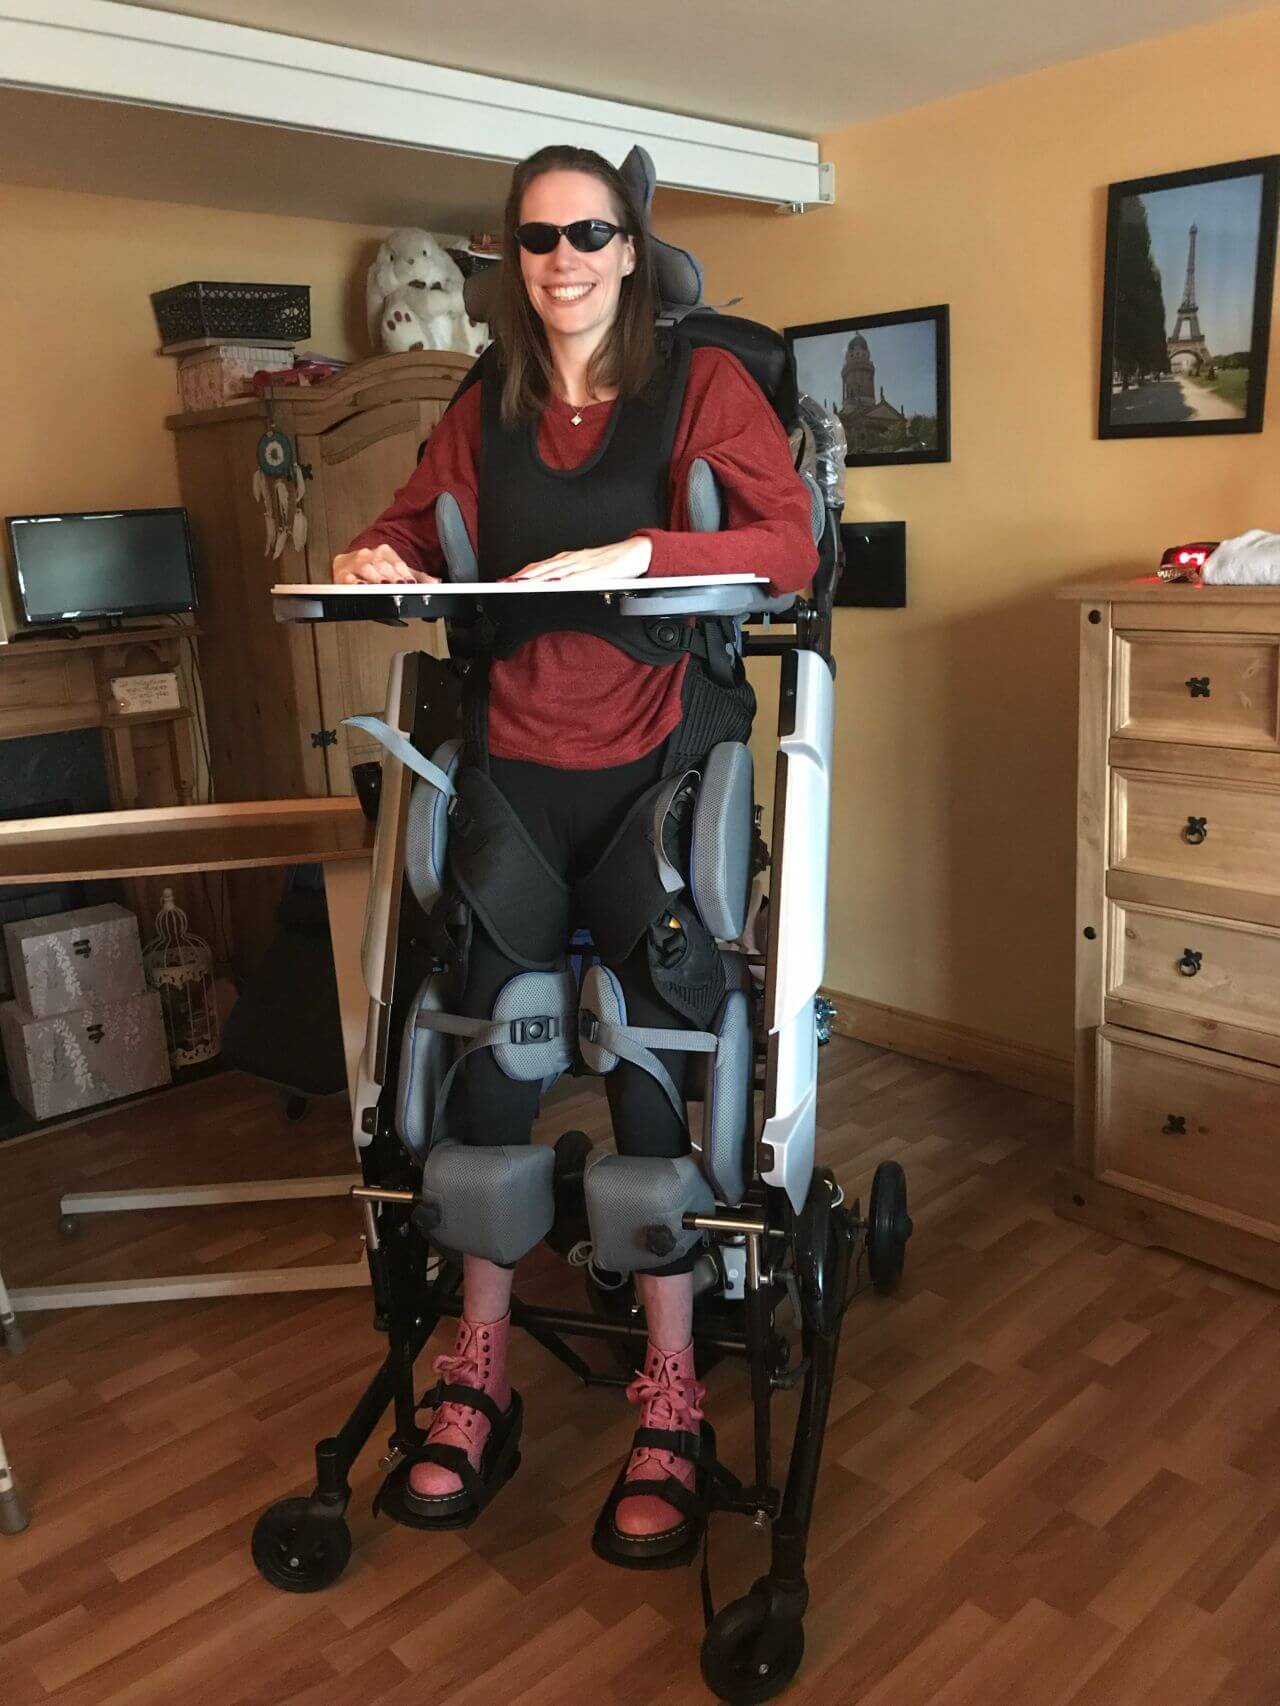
pixel 56 683
pixel 103 627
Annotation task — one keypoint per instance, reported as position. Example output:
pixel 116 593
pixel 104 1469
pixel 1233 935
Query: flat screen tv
pixel 124 562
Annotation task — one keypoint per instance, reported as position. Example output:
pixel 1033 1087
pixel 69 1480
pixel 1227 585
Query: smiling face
pixel 574 295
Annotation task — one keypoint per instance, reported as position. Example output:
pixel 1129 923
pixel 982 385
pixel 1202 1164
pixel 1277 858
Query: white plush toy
pixel 414 298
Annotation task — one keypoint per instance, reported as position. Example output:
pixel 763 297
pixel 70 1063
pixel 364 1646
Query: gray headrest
pixel 679 275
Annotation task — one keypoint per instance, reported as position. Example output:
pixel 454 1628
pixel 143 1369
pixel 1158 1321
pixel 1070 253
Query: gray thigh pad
pixel 720 854
pixel 424 1060
pixel 540 1007
pixel 427 828
pixel 634 1208
pixel 726 1113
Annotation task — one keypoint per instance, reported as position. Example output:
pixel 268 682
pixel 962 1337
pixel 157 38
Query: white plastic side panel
pixel 368 1079
pixel 382 911
pixel 798 927
pixel 384 871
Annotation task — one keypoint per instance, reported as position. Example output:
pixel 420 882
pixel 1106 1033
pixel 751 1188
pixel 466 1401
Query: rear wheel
pixel 888 1226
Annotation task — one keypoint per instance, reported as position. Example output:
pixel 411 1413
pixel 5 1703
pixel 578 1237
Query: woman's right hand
pixel 374 565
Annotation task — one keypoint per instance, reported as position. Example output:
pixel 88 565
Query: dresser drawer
pixel 1215 971
pixel 1197 830
pixel 1209 689
pixel 1190 1127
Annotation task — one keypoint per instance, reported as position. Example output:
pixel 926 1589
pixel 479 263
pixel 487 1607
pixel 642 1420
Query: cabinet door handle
pixel 1198 686
pixel 1189 964
pixel 1196 830
pixel 1175 1125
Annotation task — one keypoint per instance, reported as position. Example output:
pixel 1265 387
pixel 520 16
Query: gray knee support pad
pixel 489 1201
pixel 634 1208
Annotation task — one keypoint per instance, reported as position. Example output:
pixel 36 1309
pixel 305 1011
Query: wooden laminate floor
pixel 1052 1474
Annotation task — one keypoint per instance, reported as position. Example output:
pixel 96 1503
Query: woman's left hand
pixel 628 560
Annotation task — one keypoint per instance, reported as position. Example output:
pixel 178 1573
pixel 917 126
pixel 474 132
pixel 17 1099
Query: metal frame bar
pixel 95 1294
pixel 201 1196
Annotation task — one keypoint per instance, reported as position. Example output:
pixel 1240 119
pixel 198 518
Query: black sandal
pixel 498 1463
pixel 677 1545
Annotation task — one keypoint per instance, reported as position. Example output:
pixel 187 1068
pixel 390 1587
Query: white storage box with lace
pixel 68 960
pixel 66 1061
pixel 1177 1131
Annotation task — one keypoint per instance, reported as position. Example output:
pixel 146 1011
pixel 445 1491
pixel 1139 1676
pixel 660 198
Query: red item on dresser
pixel 573 701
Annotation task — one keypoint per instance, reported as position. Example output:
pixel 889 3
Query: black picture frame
pixel 917 367
pixel 1137 398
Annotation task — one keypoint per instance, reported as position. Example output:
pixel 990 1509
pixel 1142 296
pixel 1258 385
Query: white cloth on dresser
pixel 1250 559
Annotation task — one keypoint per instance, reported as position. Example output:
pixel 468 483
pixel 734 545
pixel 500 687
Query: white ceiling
pixel 804 69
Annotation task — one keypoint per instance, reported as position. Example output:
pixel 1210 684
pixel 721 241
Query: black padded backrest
pixel 764 353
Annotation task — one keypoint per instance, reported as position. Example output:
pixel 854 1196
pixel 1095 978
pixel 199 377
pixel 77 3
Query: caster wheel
pixel 68 1225
pixel 728 1668
pixel 295 1108
pixel 888 1226
pixel 298 1553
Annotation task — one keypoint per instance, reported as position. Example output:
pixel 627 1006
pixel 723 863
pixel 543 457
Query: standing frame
pixel 1186 312
pixel 887 376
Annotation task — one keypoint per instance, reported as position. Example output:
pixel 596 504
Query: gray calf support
pixel 634 1208
pixel 489 1201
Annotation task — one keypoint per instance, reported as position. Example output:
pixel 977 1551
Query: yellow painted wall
pixel 953 826
pixel 85 394
pixel 953 831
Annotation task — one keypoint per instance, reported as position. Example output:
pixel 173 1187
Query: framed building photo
pixel 886 376
pixel 1186 307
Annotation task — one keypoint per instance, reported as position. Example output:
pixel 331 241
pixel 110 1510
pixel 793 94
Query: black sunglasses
pixel 588 236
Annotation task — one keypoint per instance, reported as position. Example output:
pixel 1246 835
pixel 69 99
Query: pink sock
pixel 479 1360
pixel 670 1397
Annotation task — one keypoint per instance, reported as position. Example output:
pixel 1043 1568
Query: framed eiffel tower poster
pixel 1186 310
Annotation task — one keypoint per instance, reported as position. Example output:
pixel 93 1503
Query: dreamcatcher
pixel 279 485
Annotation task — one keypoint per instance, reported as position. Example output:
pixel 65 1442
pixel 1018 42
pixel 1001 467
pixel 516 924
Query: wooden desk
pixel 254 834
pixel 157 842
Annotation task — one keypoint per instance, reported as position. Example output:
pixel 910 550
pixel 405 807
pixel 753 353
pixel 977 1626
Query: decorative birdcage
pixel 179 967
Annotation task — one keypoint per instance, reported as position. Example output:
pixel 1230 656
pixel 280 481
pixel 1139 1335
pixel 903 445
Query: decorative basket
pixel 205 310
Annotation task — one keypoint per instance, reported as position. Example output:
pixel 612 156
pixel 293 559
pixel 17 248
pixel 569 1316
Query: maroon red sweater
pixel 572 700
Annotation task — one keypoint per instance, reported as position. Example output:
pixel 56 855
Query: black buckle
pixel 588 1026
pixel 540 1028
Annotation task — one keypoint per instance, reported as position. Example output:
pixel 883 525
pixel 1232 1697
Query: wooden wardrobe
pixel 276 694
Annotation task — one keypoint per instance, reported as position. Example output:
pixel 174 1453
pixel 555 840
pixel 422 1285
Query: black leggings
pixel 572 815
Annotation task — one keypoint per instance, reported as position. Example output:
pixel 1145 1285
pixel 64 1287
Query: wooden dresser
pixel 1177 1104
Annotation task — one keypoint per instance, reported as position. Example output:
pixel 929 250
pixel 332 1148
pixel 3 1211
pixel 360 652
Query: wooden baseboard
pixel 1142 1220
pixel 1024 1068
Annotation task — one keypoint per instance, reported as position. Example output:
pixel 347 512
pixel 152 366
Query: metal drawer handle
pixel 1175 1126
pixel 1198 686
pixel 1196 830
pixel 1189 964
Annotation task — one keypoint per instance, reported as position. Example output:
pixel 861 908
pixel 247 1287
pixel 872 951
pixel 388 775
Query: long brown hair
pixel 626 356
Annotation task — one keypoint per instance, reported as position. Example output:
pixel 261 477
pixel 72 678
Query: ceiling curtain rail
pixel 107 51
